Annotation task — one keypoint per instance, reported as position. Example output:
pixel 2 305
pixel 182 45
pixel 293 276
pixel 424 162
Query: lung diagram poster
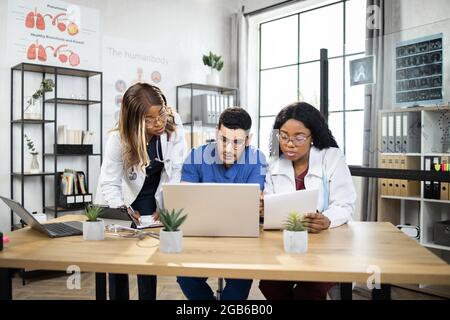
pixel 53 33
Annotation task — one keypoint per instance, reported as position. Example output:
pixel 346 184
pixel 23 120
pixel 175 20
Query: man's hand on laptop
pixel 316 222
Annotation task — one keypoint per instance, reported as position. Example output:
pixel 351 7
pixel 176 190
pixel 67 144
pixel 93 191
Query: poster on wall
pixel 127 62
pixel 419 71
pixel 53 33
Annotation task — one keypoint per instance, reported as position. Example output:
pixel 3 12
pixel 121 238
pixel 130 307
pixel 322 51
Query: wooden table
pixel 350 253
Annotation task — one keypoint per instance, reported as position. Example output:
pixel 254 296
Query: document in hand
pixel 278 206
pixel 149 222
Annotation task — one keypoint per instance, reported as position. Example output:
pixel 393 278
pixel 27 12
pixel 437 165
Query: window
pixel 290 70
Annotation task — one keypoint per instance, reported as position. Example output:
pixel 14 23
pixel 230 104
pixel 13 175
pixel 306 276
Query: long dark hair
pixel 136 101
pixel 311 118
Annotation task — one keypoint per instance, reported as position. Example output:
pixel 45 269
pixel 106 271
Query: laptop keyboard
pixel 62 229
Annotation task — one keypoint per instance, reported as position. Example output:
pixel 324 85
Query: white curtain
pixel 239 47
pixel 374 102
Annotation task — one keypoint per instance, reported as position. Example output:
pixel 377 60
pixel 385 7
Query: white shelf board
pixel 437 201
pixel 435 246
pixel 402 198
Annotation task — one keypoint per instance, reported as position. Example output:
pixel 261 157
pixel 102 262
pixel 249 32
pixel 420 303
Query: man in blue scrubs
pixel 230 160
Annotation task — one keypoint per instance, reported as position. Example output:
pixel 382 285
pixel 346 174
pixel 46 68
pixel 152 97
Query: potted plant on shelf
pixel 93 227
pixel 34 166
pixel 295 234
pixel 215 62
pixel 170 237
pixel 33 108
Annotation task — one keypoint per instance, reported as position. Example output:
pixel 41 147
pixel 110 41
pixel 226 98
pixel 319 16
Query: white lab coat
pixel 327 167
pixel 115 188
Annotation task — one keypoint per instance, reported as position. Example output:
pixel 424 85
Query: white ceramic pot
pixel 170 241
pixel 213 78
pixel 94 230
pixel 295 241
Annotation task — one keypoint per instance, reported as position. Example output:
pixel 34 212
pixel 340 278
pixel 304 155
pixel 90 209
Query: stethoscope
pixel 133 174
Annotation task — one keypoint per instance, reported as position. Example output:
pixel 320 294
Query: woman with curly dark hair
pixel 305 155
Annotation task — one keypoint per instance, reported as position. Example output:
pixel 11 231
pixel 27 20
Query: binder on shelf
pixel 383 181
pixel 199 108
pixel 214 107
pixel 384 132
pixel 230 101
pixel 428 185
pixel 391 133
pixel 398 133
pixel 397 182
pixel 436 184
pixel 390 182
pixel 445 195
pixel 412 132
pixel 410 188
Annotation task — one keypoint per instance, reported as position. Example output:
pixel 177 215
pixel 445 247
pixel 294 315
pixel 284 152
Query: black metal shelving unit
pixel 22 69
pixel 197 88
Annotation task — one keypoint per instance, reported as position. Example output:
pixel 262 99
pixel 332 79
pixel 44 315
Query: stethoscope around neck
pixel 132 175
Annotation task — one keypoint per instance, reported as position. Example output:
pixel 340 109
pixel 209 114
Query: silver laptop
pixel 215 209
pixel 53 230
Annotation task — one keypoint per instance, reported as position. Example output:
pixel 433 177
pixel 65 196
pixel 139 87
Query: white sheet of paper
pixel 278 206
pixel 149 222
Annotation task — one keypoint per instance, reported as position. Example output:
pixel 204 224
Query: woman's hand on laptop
pixel 316 222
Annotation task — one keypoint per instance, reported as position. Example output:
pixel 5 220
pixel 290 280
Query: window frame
pixel 344 56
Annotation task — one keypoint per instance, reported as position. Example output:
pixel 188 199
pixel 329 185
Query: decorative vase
pixel 94 230
pixel 213 78
pixel 33 111
pixel 170 241
pixel 34 166
pixel 295 241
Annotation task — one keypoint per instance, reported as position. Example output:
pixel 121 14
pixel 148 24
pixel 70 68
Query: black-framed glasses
pixel 236 143
pixel 298 140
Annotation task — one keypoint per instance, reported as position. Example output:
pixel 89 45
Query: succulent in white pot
pixel 93 227
pixel 295 234
pixel 170 236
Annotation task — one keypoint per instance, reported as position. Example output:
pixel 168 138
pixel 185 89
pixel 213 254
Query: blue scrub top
pixel 202 165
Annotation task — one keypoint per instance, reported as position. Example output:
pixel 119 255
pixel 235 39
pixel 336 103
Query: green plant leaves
pixel 171 220
pixel 295 222
pixel 213 61
pixel 92 212
pixel 30 145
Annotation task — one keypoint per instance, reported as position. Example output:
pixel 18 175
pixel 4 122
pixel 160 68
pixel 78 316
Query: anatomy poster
pixel 54 33
pixel 127 62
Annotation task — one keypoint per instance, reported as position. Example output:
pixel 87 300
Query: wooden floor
pixel 54 287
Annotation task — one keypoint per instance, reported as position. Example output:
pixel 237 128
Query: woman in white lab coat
pixel 305 155
pixel 145 150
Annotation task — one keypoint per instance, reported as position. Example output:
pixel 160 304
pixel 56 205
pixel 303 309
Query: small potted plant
pixel 93 227
pixel 170 237
pixel 215 62
pixel 34 166
pixel 33 108
pixel 295 234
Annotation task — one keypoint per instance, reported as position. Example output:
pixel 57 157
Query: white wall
pixel 187 28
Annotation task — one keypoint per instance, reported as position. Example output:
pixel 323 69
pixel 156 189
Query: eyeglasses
pixel 297 140
pixel 236 143
pixel 151 121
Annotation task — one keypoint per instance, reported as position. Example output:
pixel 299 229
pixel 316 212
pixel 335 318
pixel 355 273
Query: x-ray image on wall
pixel 362 71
